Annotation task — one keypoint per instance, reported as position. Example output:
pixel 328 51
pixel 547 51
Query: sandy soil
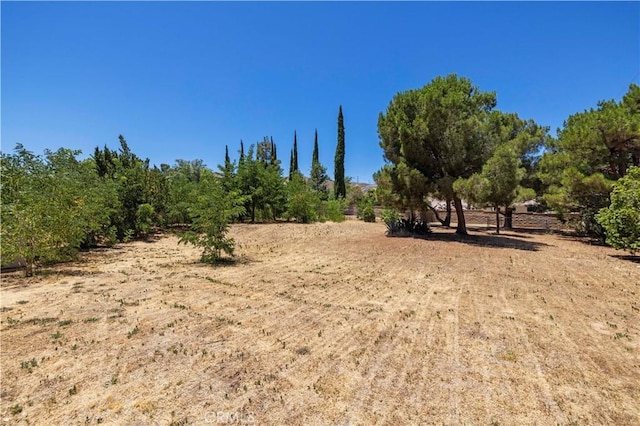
pixel 327 324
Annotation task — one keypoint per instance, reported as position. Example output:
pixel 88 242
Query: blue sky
pixel 181 80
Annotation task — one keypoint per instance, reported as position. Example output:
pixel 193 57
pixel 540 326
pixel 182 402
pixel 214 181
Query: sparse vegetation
pixel 133 332
pixel 328 318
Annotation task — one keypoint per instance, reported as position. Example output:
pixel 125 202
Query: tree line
pixel 56 204
pixel 446 140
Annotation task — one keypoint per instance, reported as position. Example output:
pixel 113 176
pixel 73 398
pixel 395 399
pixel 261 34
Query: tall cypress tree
pixel 316 157
pixel 291 165
pixel 227 160
pixel 339 186
pixel 274 156
pixel 318 172
pixel 295 152
pixel 241 150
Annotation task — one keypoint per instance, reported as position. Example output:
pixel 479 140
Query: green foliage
pixel 318 173
pixel 366 211
pixel 621 220
pixel 399 226
pixel 293 161
pixel 212 213
pixel 135 184
pixel 183 181
pixel 402 187
pixel 440 131
pixel 354 195
pixel 302 202
pixel 595 148
pixel 295 153
pixel 498 182
pixel 333 210
pixel 368 214
pixel 497 185
pixel 262 185
pixel 390 216
pixel 51 205
pixel 144 219
pixel 339 184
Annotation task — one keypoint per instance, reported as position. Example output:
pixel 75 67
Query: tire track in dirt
pixel 476 335
pixel 394 352
pixel 457 366
pixel 541 383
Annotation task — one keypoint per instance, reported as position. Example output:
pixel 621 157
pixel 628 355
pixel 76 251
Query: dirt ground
pixel 327 324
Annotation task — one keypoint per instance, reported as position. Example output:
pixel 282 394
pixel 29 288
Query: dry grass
pixel 327 323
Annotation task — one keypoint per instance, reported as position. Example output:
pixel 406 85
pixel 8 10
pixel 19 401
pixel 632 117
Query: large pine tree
pixel 339 186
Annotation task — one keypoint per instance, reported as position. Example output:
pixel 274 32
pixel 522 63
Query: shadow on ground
pixel 627 257
pixel 508 241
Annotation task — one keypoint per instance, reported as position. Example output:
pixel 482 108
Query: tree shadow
pixel 56 270
pixel 512 232
pixel 152 238
pixel 225 262
pixel 509 241
pixel 627 257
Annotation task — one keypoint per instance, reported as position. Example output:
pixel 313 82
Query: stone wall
pixel 487 219
pixel 544 221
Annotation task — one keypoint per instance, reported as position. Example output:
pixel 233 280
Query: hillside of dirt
pixel 327 324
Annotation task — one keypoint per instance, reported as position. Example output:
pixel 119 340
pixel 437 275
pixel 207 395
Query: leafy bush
pixel 333 210
pixel 212 214
pixel 390 216
pixel 302 202
pixel 621 220
pixel 50 205
pixel 365 206
pixel 144 219
pixel 399 226
pixel 367 214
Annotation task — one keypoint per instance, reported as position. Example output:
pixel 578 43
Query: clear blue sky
pixel 181 80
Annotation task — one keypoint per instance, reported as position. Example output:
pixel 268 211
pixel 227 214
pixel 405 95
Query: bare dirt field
pixel 327 324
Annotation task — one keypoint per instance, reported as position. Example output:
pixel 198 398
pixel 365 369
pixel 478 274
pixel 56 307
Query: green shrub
pixel 144 219
pixel 334 210
pixel 368 214
pixel 302 203
pixel 621 220
pixel 390 216
pixel 211 214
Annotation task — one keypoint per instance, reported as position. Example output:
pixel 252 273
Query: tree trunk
pixel 447 219
pixel 508 218
pixel 497 220
pixel 462 226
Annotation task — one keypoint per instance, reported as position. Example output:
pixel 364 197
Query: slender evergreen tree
pixel 318 172
pixel 295 152
pixel 316 157
pixel 241 150
pixel 227 160
pixel 274 156
pixel 291 165
pixel 339 186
